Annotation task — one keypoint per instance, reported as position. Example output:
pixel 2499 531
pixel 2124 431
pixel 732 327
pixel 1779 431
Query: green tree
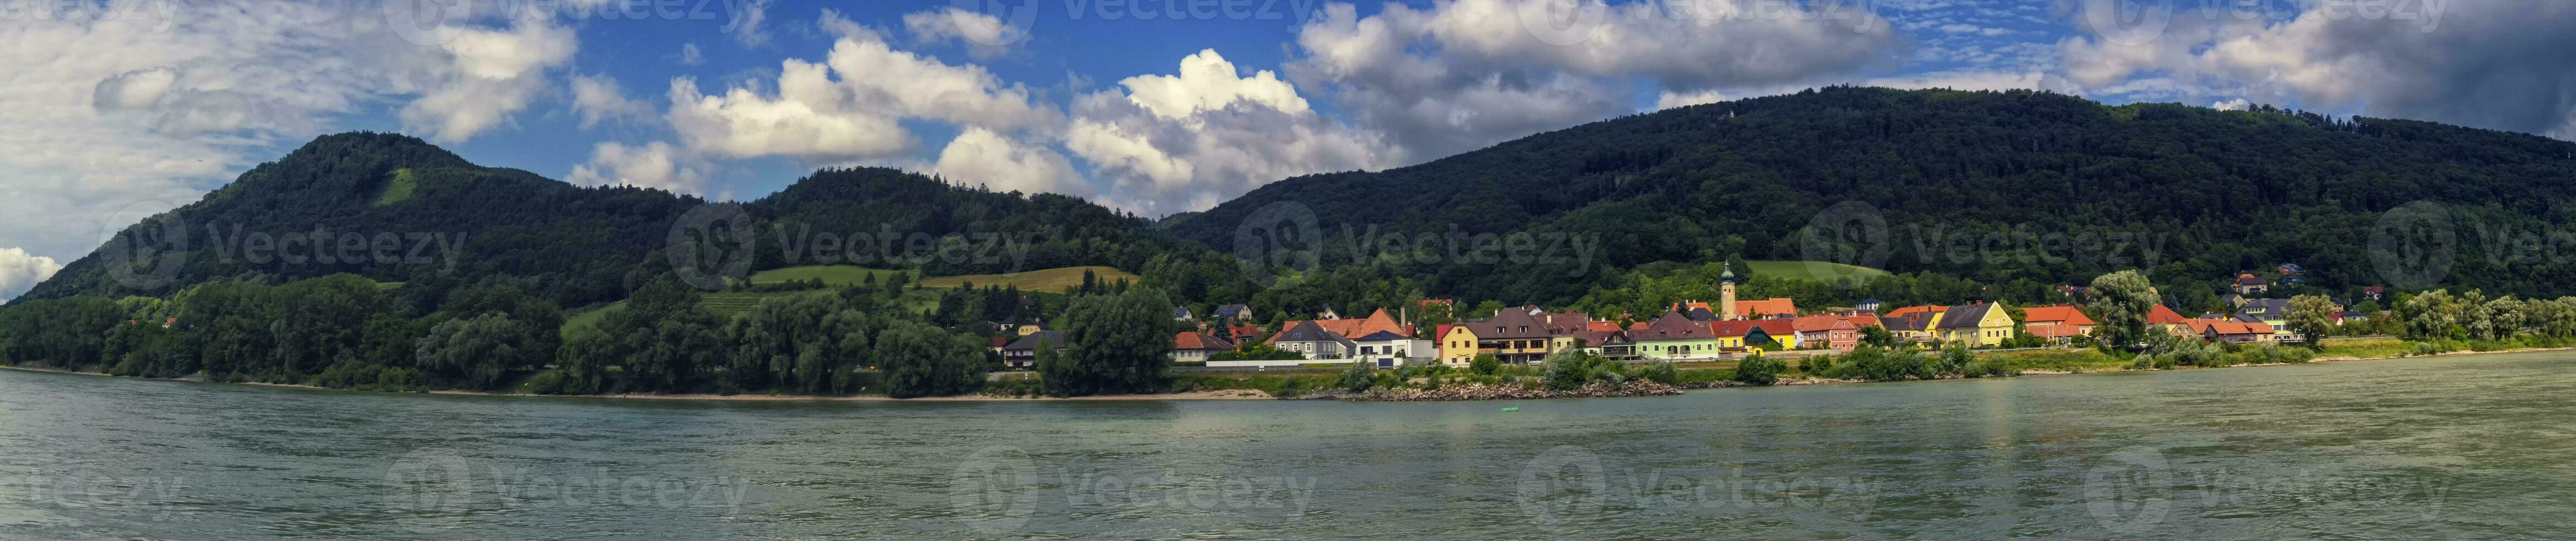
pixel 1113 344
pixel 1756 369
pixel 1358 378
pixel 920 360
pixel 1484 364
pixel 1873 335
pixel 475 354
pixel 2125 297
pixel 2312 316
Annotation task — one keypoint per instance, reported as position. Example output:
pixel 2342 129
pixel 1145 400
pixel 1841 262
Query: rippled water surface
pixel 2460 447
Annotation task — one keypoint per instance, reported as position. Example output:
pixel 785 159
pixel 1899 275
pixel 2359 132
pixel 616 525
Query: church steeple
pixel 1726 293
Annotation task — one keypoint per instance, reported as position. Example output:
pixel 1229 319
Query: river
pixel 2453 447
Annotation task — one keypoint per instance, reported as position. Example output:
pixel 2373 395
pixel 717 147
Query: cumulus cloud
pixel 598 98
pixel 2492 65
pixel 690 55
pixel 653 165
pixel 981 157
pixel 985 36
pixel 852 104
pixel 1464 74
pixel 1169 143
pixel 746 19
pixel 103 114
pixel 1670 100
pixel 491 74
pixel 20 271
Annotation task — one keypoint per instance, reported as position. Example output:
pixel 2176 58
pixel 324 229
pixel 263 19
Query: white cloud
pixel 981 157
pixel 20 271
pixel 598 98
pixel 1169 143
pixel 101 115
pixel 491 75
pixel 1685 99
pixel 850 106
pixel 747 18
pixel 654 165
pixel 690 55
pixel 1464 74
pixel 2492 65
pixel 2238 104
pixel 985 36
pixel 1978 80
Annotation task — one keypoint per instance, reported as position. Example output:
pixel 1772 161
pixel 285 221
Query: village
pixel 1688 331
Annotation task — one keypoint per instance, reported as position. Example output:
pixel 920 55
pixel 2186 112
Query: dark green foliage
pixel 1358 378
pixel 1114 344
pixel 1695 184
pixel 920 360
pixel 1757 369
pixel 475 353
pixel 1661 372
pixel 1484 365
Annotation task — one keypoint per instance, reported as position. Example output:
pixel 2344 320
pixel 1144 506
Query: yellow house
pixel 1980 325
pixel 1457 345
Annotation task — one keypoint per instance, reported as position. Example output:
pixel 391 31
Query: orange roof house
pixel 1752 309
pixel 2055 315
pixel 1378 321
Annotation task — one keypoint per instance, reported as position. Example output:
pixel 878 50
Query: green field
pixel 1036 281
pixel 399 189
pixel 833 275
pixel 588 319
pixel 1814 270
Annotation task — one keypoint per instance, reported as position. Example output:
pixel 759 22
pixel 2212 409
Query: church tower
pixel 1726 293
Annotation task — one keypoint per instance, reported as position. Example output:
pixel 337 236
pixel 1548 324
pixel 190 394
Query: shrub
pixel 1359 378
pixel 1816 365
pixel 1663 373
pixel 1485 365
pixel 1758 370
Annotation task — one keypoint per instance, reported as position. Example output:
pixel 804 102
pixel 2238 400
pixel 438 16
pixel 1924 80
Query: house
pixel 1913 323
pixel 1028 327
pixel 1731 334
pixel 1313 341
pixel 1832 332
pixel 1867 305
pixel 2275 313
pixel 1182 313
pixel 1611 344
pixel 2074 290
pixel 1674 337
pixel 1978 325
pixel 1514 336
pixel 1376 322
pixel 1023 353
pixel 1386 349
pixel 1457 344
pixel 2232 299
pixel 2221 330
pixel 995 344
pixel 1242 334
pixel 1765 308
pixel 1777 334
pixel 2074 321
pixel 1328 314
pixel 2374 292
pixel 2056 333
pixel 1195 347
pixel 2291 268
pixel 2249 284
pixel 1564 329
pixel 2164 318
pixel 1232 313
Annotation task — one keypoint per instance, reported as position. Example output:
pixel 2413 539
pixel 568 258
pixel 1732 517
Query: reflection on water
pixel 2465 446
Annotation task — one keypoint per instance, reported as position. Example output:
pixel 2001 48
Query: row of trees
pixel 2439 314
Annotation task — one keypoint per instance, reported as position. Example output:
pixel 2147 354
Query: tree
pixel 1485 364
pixel 1756 369
pixel 2312 316
pixel 2477 315
pixel 2125 297
pixel 475 353
pixel 1113 344
pixel 2555 318
pixel 2429 315
pixel 1358 378
pixel 1873 335
pixel 921 360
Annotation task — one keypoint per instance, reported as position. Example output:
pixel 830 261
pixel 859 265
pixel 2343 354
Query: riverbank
pixel 1455 392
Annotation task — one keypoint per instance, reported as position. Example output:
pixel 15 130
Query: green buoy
pixel 1513 408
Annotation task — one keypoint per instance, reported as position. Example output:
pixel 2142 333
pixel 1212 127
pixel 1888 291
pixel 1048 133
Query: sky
pixel 112 111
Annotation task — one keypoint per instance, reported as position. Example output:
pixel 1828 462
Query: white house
pixel 1196 347
pixel 1389 350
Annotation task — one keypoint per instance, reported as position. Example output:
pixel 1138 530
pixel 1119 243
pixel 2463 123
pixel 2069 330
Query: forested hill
pixel 452 224
pixel 2237 190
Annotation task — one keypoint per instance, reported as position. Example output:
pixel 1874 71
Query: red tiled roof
pixel 1911 310
pixel 1192 340
pixel 1731 328
pixel 1774 327
pixel 1603 326
pixel 2059 314
pixel 2161 315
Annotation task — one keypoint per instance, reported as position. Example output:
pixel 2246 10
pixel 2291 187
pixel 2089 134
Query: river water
pixel 2456 447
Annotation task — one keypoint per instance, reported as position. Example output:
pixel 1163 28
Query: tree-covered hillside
pixel 2233 190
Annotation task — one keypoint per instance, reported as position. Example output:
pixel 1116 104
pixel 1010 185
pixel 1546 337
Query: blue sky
pixel 131 107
